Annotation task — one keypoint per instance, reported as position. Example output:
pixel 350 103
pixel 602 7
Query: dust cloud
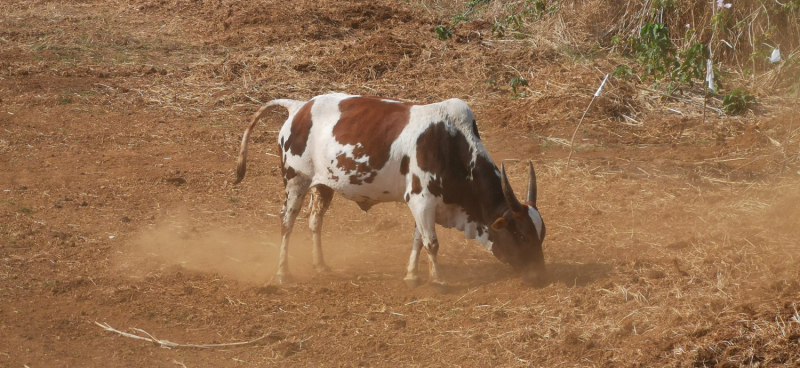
pixel 246 256
pixel 249 256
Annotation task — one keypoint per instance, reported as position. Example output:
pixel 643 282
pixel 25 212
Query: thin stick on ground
pixel 572 141
pixel 788 140
pixel 170 344
pixel 705 98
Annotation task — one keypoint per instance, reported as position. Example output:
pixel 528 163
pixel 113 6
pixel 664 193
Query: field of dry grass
pixel 671 242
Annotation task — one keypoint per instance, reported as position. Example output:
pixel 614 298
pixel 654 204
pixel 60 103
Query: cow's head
pixel 518 234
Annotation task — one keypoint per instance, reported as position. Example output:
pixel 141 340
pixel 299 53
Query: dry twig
pixel 170 344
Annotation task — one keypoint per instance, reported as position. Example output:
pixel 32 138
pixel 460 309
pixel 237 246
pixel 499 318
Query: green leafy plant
pixel 498 29
pixel 539 6
pixel 458 19
pixel 622 71
pixel 655 50
pixel 443 32
pixel 690 33
pixel 738 101
pixel 514 21
pixel 721 20
pixel 517 83
pixel 693 65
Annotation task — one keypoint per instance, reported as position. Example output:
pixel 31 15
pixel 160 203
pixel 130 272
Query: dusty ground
pixel 670 242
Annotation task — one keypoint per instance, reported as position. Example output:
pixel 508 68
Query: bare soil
pixel 670 242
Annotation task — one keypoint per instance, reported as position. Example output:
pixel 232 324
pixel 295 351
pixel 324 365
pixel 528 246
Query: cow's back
pixel 366 148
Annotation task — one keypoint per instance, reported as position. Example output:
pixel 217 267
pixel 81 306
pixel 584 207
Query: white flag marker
pixel 600 89
pixel 710 75
pixel 776 56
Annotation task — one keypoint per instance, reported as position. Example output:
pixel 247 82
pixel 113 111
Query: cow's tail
pixel 291 105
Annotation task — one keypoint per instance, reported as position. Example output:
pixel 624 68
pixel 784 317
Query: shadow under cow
pixel 462 277
pixel 578 274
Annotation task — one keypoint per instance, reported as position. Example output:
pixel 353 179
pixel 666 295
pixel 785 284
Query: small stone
pixel 125 219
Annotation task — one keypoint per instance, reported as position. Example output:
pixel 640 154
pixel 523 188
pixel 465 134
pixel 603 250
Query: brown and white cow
pixel 373 150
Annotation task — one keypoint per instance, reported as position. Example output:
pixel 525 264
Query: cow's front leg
pixel 436 280
pixel 425 215
pixel 412 277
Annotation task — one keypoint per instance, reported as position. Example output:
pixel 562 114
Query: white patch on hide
pixel 537 220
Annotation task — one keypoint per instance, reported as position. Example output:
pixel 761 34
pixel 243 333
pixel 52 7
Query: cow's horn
pixel 511 199
pixel 531 184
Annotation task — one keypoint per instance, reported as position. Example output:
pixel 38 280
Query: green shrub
pixel 738 101
pixel 443 32
pixel 655 50
pixel 516 83
pixel 693 65
pixel 622 71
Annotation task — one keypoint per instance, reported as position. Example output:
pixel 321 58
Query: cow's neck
pixel 488 190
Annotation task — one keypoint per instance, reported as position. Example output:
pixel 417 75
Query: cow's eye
pixel 518 235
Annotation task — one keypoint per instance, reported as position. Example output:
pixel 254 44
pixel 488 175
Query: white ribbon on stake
pixel 710 81
pixel 572 141
pixel 600 89
pixel 710 75
pixel 776 55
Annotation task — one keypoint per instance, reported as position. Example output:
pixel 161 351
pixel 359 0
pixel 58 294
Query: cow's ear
pixel 500 224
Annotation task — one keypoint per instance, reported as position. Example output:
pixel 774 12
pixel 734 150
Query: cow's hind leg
pixel 321 197
pixel 296 189
pixel 412 277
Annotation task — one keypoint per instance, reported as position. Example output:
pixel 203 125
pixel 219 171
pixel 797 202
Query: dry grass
pixel 741 37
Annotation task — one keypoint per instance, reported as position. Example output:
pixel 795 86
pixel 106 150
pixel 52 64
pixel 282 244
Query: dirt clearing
pixel 670 242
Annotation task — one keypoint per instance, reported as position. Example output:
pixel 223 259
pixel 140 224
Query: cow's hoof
pixel 322 269
pixel 413 282
pixel 440 287
pixel 285 279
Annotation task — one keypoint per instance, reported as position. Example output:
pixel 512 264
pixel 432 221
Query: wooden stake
pixel 788 139
pixel 572 141
pixel 705 97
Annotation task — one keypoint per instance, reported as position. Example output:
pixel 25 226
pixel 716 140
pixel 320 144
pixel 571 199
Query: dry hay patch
pixel 372 57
